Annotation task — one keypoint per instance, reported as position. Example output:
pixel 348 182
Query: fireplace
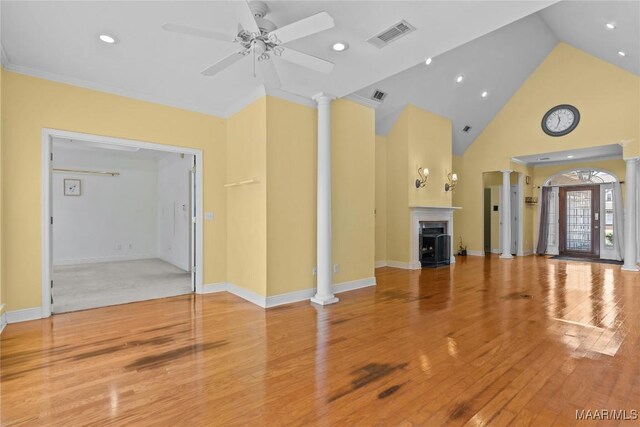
pixel 438 217
pixel 434 244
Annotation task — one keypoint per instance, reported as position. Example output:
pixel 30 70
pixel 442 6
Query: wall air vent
pixel 378 95
pixel 391 34
pixel 466 129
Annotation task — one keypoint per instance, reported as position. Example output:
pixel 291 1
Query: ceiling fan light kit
pixel 264 40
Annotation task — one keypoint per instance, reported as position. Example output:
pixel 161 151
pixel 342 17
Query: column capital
pixel 631 159
pixel 323 98
pixel 506 171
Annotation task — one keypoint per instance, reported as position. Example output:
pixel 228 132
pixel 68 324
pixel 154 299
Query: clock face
pixel 560 120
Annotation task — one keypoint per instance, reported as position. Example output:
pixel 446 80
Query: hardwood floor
pixel 485 342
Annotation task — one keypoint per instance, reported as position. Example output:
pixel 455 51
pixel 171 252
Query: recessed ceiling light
pixel 484 94
pixel 570 156
pixel 340 46
pixel 622 53
pixel 611 26
pixel 459 78
pixel 428 61
pixel 107 39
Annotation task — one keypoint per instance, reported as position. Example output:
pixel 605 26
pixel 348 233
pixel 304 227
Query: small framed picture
pixel 71 187
pixel 528 180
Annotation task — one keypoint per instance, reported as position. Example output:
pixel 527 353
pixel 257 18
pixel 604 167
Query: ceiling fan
pixel 262 39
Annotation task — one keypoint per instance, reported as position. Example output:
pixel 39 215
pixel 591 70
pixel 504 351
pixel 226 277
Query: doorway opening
pixel 583 214
pixel 122 221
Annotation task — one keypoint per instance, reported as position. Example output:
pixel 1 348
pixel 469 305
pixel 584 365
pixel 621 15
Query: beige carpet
pixel 82 286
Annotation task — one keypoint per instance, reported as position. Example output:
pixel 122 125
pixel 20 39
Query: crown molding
pixel 73 81
pixel 362 100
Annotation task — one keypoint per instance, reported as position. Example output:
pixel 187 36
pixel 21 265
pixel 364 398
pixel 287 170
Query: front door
pixel 580 221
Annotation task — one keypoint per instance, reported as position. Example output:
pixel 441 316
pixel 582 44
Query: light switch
pixel 208 216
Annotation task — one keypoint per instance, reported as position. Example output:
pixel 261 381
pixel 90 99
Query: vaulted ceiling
pixel 58 40
pixel 501 61
pixel 495 45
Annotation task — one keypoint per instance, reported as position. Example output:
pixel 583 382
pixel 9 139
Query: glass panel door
pixel 579 207
pixel 580 221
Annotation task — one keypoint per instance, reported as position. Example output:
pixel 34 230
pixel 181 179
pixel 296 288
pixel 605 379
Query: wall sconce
pixel 423 173
pixel 453 180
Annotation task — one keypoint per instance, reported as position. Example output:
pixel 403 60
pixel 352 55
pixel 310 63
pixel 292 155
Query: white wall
pixel 115 218
pixel 174 210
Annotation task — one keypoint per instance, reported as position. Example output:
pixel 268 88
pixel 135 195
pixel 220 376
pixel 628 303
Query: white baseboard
pixel 496 251
pixel 353 285
pixel 527 252
pixel 24 315
pixel 210 288
pixel 475 253
pixel 257 299
pixel 102 259
pixel 295 296
pixel 3 318
pixel 289 297
pixel 380 264
pixel 399 264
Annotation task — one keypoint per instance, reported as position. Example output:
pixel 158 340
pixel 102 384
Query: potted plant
pixel 462 250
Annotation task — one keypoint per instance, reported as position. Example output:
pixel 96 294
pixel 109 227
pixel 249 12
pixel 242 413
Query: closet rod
pixel 87 172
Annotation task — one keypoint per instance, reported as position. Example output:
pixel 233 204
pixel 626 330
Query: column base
pixel 630 268
pixel 506 256
pixel 324 300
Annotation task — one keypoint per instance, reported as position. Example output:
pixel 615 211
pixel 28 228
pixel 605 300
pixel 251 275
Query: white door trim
pixel 47 135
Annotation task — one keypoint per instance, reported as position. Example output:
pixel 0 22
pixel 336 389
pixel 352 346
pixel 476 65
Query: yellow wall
pixel 381 198
pixel 353 189
pixel 263 235
pixel 419 138
pixel 397 193
pixel 291 196
pixel 30 104
pixel 1 197
pixel 247 204
pixel 429 146
pixel 606 96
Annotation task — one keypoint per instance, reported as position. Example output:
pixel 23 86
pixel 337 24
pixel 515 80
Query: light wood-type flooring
pixel 484 342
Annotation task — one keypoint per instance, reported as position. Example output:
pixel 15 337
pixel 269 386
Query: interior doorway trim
pixel 47 199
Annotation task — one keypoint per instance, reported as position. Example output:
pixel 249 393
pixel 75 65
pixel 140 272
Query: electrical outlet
pixel 336 268
pixel 314 270
pixel 208 216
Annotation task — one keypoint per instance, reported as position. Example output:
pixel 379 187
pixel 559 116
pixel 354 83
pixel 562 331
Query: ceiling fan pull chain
pixel 254 62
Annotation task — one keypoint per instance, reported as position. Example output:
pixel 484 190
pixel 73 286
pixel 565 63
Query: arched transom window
pixel 581 177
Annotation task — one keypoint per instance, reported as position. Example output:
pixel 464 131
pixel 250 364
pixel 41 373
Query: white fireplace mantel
pixel 429 213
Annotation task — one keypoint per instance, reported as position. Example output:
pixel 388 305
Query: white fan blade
pixel 183 29
pixel 303 28
pixel 307 61
pixel 269 73
pixel 223 63
pixel 247 20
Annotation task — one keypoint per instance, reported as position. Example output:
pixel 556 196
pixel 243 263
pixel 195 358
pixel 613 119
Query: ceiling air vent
pixel 391 34
pixel 378 95
pixel 467 128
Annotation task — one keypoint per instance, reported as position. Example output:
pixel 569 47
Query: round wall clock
pixel 560 120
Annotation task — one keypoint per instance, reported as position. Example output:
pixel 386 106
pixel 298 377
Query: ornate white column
pixel 506 215
pixel 324 285
pixel 630 216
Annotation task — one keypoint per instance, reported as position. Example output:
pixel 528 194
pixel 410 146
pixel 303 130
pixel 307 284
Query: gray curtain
pixel 543 221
